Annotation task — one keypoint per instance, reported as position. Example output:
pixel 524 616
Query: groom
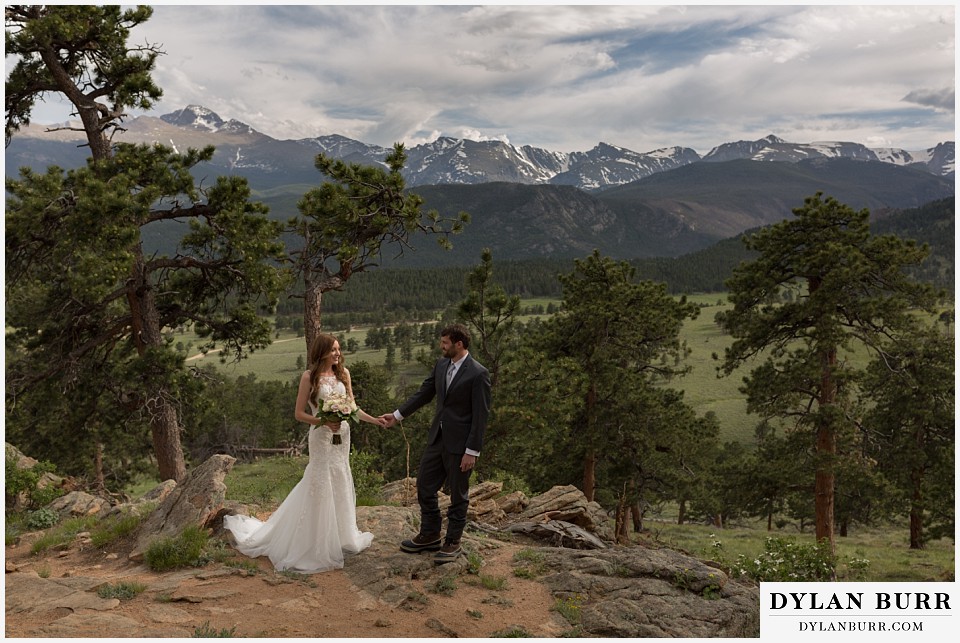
pixel 461 386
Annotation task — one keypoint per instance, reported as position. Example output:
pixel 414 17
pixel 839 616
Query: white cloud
pixel 565 77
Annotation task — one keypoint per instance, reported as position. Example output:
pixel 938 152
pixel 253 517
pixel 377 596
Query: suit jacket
pixel 461 410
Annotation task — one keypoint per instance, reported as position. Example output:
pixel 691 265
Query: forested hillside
pixel 404 290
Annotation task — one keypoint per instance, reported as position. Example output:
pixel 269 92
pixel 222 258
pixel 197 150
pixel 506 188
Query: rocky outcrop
pixel 614 591
pixel 562 516
pixel 617 591
pixel 196 501
pixel 80 503
pixel 639 592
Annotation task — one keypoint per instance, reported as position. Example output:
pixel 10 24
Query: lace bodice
pixel 328 386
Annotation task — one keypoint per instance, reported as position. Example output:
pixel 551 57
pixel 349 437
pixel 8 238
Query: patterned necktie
pixel 451 371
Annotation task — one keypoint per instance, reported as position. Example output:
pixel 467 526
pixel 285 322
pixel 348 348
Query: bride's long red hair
pixel 320 349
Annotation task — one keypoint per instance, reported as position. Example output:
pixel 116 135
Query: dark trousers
pixel 437 467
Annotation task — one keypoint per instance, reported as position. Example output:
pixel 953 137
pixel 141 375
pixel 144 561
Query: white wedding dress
pixel 316 525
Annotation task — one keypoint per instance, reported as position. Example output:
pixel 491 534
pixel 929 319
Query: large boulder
pixel 567 504
pixel 637 592
pixel 147 501
pixel 80 503
pixel 196 501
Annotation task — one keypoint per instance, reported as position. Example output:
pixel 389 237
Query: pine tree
pixel 345 222
pixel 83 295
pixel 850 290
pixel 617 331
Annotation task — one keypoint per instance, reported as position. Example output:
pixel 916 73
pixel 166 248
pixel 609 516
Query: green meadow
pixel 703 390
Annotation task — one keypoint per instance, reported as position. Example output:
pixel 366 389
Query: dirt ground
pixel 259 602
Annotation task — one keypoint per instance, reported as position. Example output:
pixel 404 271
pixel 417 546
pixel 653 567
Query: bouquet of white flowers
pixel 338 408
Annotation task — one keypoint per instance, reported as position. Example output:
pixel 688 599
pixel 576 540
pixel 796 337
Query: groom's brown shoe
pixel 421 542
pixel 448 553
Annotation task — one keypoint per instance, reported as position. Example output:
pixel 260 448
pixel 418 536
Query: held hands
pixel 388 419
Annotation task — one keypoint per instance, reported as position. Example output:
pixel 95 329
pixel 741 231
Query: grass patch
pixel 206 632
pixel 512 632
pixel 266 482
pixel 186 550
pixel 474 562
pixel 246 565
pixel 529 563
pixel 445 586
pixel 116 528
pixel 297 576
pixel 122 590
pixel 569 608
pixel 63 534
pixel 870 554
pixel 494 583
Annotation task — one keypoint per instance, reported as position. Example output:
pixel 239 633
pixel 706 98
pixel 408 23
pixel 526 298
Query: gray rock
pixel 79 503
pixel 558 533
pixel 26 592
pixel 194 502
pixel 638 592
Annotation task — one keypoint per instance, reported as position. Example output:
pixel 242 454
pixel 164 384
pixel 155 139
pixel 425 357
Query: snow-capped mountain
pixel 200 118
pixel 447 160
pixel 607 165
pixel 938 160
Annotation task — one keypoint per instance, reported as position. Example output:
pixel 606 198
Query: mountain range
pixel 527 201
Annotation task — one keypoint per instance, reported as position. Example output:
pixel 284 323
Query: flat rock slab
pixel 27 592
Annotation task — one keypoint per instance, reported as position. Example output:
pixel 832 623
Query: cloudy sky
pixel 565 77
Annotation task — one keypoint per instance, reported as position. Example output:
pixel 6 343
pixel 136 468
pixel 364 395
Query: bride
pixel 316 525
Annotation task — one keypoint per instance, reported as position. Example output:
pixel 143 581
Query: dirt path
pixel 251 600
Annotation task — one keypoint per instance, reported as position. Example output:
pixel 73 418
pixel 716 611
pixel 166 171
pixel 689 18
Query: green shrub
pixel 530 563
pixel 474 562
pixel 784 560
pixel 24 481
pixel 511 482
pixel 512 632
pixel 569 608
pixel 445 585
pixel 367 480
pixel 494 583
pixel 186 550
pixel 42 519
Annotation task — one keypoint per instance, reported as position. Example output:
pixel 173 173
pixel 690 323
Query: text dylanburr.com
pixel 853 610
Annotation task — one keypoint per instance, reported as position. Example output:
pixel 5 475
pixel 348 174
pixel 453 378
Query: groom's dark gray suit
pixel 458 425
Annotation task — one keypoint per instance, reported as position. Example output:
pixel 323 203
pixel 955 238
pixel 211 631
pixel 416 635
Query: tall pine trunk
pixel 157 400
pixel 916 504
pixel 590 460
pixel 314 285
pixel 312 307
pixel 825 479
